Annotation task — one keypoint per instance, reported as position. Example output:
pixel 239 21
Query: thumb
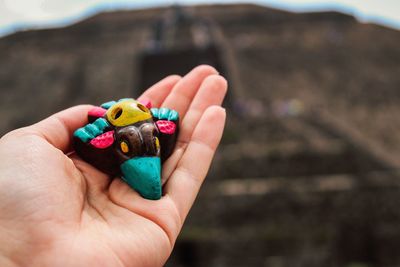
pixel 58 128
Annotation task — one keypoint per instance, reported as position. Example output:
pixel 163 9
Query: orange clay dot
pixel 124 147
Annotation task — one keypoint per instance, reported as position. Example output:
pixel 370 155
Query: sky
pixel 27 14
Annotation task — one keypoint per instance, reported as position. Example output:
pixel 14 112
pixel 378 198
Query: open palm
pixel 57 210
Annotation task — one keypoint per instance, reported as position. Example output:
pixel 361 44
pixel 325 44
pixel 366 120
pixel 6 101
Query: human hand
pixel 57 210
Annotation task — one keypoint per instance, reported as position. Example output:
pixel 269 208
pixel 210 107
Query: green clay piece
pixel 122 99
pixel 101 124
pixel 173 115
pixel 144 175
pixel 91 130
pixel 163 113
pixel 108 104
pixel 154 112
pixel 82 134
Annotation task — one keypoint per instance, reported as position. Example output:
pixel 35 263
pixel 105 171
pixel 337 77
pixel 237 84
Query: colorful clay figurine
pixel 129 139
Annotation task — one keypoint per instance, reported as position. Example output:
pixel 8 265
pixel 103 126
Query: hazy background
pixel 21 14
pixel 307 173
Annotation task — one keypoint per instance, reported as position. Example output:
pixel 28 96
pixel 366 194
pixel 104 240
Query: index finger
pixel 192 168
pixel 159 91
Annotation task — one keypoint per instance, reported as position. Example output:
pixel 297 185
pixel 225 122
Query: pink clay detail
pixel 166 127
pixel 104 140
pixel 146 102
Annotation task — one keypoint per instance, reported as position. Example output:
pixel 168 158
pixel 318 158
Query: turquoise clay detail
pixel 165 113
pixel 144 174
pixel 154 112
pixel 108 104
pixel 91 130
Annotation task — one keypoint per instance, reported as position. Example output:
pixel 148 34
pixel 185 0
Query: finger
pixel 182 95
pixel 212 92
pixel 191 170
pixel 159 91
pixel 58 128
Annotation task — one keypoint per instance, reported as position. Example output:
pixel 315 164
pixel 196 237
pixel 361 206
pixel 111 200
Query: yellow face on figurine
pixel 127 112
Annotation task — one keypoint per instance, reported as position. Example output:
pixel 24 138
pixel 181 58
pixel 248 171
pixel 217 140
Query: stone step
pixel 334 220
